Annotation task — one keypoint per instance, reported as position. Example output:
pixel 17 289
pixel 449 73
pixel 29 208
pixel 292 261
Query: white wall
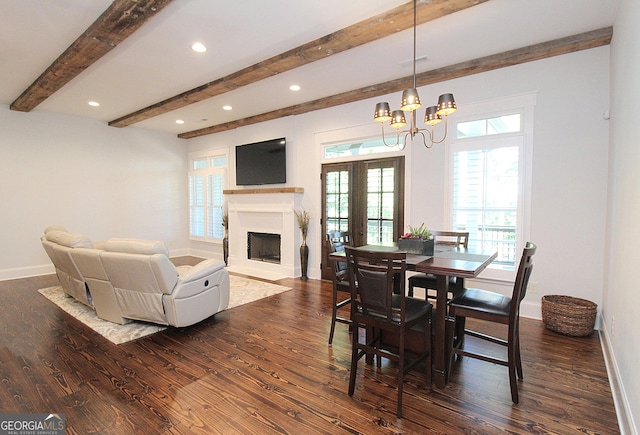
pixel 93 179
pixel 622 296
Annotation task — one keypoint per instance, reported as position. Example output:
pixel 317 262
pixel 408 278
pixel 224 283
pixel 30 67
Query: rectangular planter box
pixel 416 246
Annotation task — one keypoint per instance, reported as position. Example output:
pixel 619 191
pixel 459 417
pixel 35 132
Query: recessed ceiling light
pixel 94 103
pixel 294 87
pixel 199 47
pixel 179 121
pixel 227 107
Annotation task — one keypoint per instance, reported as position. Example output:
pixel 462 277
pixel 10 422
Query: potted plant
pixel 418 240
pixel 225 240
pixel 303 216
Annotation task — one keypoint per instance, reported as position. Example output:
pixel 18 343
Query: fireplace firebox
pixel 263 247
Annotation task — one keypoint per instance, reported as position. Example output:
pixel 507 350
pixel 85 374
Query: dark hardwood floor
pixel 266 368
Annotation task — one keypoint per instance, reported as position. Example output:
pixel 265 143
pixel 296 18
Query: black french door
pixel 363 197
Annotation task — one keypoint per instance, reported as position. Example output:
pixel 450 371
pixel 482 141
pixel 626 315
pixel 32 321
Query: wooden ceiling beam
pixel 379 26
pixel 115 24
pixel 518 56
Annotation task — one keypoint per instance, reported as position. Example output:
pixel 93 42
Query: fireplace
pixel 269 213
pixel 263 247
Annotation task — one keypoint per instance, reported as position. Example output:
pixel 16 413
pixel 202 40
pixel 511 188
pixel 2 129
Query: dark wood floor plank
pixel 266 367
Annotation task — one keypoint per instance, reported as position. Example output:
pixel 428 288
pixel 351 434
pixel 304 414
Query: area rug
pixel 242 291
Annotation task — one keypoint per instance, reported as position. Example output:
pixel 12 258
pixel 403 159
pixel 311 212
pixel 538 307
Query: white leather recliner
pixel 150 288
pixel 103 295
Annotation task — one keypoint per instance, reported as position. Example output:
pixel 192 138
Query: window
pixel 489 180
pixel 206 183
pixel 359 148
pixel 486 192
pixel 490 126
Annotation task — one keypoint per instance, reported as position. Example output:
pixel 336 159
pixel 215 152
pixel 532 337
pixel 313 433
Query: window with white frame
pixel 489 184
pixel 207 180
pixel 364 147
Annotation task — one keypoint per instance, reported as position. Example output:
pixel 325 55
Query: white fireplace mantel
pixel 265 210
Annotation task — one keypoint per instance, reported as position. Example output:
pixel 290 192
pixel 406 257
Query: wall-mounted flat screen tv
pixel 261 163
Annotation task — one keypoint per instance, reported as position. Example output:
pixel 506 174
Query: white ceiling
pixel 156 62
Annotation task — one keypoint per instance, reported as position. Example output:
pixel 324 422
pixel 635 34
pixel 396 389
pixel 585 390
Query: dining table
pixel 446 262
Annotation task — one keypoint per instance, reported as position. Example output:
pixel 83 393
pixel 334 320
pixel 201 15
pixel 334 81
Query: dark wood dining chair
pixel 428 281
pixel 336 241
pixel 379 309
pixel 494 307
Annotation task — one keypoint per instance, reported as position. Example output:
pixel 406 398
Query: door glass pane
pixel 337 201
pixel 380 205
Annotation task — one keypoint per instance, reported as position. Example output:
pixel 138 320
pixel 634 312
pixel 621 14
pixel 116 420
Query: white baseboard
pixel 620 400
pixel 24 272
pixel 203 254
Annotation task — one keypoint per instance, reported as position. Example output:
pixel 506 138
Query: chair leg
pixel 400 373
pixel 513 383
pixel 334 315
pixel 458 333
pixel 427 347
pixel 354 362
pixel 518 356
pixel 512 362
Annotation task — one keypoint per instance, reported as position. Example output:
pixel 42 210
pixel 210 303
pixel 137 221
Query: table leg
pixel 440 345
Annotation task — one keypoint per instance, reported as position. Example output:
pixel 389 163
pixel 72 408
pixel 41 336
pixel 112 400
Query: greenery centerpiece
pixel 303 217
pixel 418 240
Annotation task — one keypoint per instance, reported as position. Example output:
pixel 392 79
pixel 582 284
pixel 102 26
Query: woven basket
pixel 568 315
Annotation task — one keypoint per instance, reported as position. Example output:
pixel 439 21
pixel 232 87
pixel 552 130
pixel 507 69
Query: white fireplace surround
pixel 269 210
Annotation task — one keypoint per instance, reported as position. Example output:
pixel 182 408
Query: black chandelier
pixel 411 103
